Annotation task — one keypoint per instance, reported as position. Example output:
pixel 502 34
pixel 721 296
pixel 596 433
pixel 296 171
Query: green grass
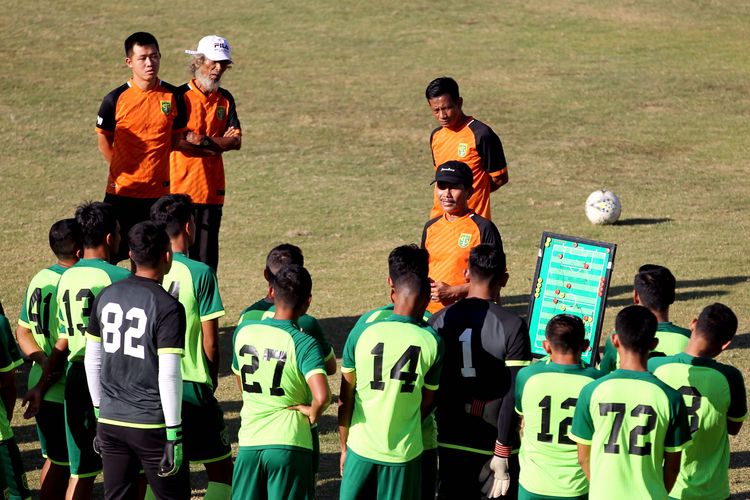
pixel 648 98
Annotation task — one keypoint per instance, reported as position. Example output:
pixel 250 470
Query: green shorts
pixel 11 467
pixel 273 473
pixel 205 436
pixel 524 494
pixel 50 426
pixel 365 478
pixel 80 424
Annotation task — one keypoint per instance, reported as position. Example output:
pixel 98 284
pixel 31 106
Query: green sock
pixel 149 494
pixel 218 491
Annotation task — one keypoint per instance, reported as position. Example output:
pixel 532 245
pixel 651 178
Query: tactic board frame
pixel 566 288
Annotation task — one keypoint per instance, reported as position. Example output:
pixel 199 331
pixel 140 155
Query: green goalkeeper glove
pixel 171 460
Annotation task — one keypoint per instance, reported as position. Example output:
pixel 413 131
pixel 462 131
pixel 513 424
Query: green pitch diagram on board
pixel 572 277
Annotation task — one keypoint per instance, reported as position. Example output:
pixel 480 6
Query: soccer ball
pixel 603 207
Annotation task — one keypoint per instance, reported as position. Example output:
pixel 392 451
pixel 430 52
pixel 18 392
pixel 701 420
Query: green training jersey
pixel 195 286
pixel 713 393
pixel 629 418
pixel 673 339
pixel 10 358
pixel 274 359
pixel 429 426
pixel 76 291
pixel 264 309
pixel 39 314
pixel 546 397
pixel 393 360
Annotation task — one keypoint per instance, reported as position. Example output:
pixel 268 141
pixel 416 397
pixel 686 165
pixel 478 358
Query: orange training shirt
pixel 141 124
pixel 479 147
pixel 449 244
pixel 202 177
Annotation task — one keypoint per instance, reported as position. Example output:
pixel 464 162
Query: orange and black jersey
pixel 202 177
pixel 479 147
pixel 449 244
pixel 140 124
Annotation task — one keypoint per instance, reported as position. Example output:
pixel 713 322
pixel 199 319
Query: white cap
pixel 214 48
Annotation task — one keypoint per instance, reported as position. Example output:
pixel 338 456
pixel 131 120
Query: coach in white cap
pixel 196 165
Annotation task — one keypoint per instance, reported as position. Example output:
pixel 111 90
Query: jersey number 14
pixel 409 360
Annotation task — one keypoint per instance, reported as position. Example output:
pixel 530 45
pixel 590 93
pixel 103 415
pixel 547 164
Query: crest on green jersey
pixel 221 112
pixel 166 107
pixel 463 148
pixel 463 240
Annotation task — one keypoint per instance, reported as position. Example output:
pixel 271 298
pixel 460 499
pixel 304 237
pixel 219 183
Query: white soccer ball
pixel 603 207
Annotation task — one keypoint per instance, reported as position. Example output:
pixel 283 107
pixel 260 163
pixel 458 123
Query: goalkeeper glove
pixel 486 410
pixel 171 460
pixel 494 474
pixel 96 438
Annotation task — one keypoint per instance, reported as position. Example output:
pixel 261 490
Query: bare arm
pixel 428 402
pixel 441 291
pixel 584 456
pixel 331 366
pixel 210 330
pixel 52 369
pixel 106 148
pixel 671 468
pixel 346 408
pixel 203 145
pixel 28 345
pixel 321 396
pixel 496 182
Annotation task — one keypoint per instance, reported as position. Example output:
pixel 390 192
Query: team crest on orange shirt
pixel 166 107
pixel 221 112
pixel 463 240
pixel 463 148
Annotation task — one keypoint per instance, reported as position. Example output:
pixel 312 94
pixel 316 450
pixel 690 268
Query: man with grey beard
pixel 196 165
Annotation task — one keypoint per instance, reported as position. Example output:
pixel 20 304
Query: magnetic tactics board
pixel 572 277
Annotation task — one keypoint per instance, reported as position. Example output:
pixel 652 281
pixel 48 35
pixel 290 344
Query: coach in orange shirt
pixel 466 139
pixel 196 165
pixel 137 124
pixel 450 236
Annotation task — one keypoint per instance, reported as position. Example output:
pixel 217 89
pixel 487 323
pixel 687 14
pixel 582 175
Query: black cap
pixel 454 172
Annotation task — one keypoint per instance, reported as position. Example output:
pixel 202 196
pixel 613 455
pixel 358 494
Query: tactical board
pixel 572 277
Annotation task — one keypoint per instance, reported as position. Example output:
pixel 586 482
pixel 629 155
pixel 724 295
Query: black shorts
pixel 50 425
pixel 458 474
pixel 207 224
pixel 128 450
pixel 205 436
pixel 129 212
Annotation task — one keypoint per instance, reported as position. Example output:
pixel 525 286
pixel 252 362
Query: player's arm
pixel 737 411
pixel 584 457
pixel 346 409
pixel 428 402
pixel 8 391
pixel 52 370
pixel 92 362
pixel 498 181
pixel 671 468
pixel 28 345
pixel 105 126
pixel 321 396
pixel 441 291
pixel 490 149
pixel 210 331
pixel 106 142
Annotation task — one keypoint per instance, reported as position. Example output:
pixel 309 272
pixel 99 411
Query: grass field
pixel 648 98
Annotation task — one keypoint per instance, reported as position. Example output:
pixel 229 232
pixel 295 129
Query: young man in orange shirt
pixel 138 123
pixel 464 138
pixel 450 236
pixel 196 165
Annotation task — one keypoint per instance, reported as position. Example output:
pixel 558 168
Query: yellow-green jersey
pixel 673 339
pixel 393 360
pixel 195 286
pixel 264 309
pixel 546 397
pixel 39 314
pixel 10 358
pixel 629 418
pixel 274 359
pixel 78 287
pixel 713 393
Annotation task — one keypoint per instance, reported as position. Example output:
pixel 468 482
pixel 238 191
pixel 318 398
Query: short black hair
pixel 655 286
pixel 408 259
pixel 717 323
pixel 283 255
pixel 292 286
pixel 636 328
pixel 172 211
pixel 65 238
pixel 487 263
pixel 139 38
pixel 148 241
pixel 566 333
pixel 96 220
pixel 441 86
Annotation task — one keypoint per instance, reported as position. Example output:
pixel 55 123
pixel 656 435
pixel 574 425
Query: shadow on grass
pixel 739 459
pixel 642 221
pixel 329 480
pixel 741 341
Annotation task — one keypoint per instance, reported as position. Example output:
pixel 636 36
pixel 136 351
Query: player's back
pixel 39 314
pixel 629 418
pixel 546 396
pixel 274 359
pixel 393 360
pixel 672 339
pixel 713 392
pixel 195 285
pixel 482 340
pixel 136 320
pixel 78 287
